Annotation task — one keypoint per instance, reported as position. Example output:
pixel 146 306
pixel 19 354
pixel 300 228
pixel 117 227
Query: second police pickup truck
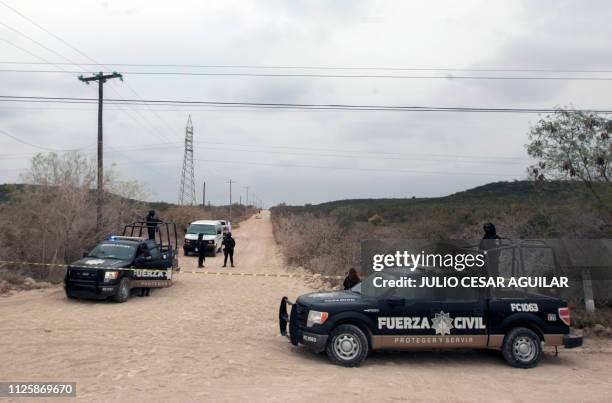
pixel 122 263
pixel 347 324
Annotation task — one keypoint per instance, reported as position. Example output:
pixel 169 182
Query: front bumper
pixel 90 291
pixel 296 334
pixel 572 341
pixel 191 247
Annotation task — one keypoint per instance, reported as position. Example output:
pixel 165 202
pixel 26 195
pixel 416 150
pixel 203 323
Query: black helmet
pixel 151 212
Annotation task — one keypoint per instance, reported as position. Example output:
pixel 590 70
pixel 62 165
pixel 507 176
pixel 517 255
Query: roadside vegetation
pixel 51 217
pixel 568 195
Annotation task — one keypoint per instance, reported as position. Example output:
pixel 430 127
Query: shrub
pixel 376 219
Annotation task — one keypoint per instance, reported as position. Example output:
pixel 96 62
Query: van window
pixel 206 229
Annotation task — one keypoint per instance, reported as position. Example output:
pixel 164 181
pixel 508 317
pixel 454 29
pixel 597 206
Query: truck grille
pixel 297 321
pixel 83 274
pixel 301 313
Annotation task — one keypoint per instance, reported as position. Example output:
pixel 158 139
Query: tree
pixel 574 145
pixel 51 218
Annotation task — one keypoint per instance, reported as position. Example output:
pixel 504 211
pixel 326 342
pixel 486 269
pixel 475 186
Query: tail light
pixel 564 315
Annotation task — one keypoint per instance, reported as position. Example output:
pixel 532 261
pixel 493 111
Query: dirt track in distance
pixel 215 338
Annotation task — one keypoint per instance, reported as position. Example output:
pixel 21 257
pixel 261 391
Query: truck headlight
pixel 316 318
pixel 111 275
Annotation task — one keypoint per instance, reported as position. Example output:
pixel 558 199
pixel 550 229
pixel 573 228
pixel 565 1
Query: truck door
pixel 467 309
pixel 150 257
pixel 404 319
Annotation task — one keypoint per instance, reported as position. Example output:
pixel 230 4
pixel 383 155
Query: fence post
pixel 587 283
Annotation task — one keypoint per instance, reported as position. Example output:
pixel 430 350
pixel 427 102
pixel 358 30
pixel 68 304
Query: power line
pixel 14 98
pixel 360 156
pixel 433 157
pixel 161 135
pixel 25 17
pixel 39 44
pixel 365 68
pixel 234 162
pixel 312 75
pixel 17 139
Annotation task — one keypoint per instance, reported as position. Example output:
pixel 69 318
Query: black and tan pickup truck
pixel 347 324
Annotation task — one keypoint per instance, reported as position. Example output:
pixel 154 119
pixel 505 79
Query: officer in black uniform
pixel 152 222
pixel 229 244
pixel 351 280
pixel 201 245
pixel 490 241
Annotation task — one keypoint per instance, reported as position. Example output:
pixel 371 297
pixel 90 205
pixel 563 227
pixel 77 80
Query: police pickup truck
pixel 348 324
pixel 120 263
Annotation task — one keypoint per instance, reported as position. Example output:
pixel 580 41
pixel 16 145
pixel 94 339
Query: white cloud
pixel 490 34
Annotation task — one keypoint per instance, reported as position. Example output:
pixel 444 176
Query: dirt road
pixel 216 339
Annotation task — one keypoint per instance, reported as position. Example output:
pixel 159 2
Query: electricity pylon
pixel 187 195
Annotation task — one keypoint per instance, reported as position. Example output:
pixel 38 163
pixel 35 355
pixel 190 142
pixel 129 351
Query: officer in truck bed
pixel 152 222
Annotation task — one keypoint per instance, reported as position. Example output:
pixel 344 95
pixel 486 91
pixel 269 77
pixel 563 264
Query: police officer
pixel 489 243
pixel 152 222
pixel 351 280
pixel 201 246
pixel 229 244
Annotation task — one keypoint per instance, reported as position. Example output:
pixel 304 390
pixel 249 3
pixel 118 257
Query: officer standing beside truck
pixel 201 246
pixel 228 249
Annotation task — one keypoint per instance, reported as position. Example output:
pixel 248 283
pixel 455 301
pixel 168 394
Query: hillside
pixel 496 194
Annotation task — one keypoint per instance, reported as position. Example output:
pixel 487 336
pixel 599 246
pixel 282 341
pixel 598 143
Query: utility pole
pixel 230 201
pixel 101 79
pixel 247 195
pixel 204 194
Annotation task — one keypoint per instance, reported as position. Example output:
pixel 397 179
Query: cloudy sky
pixel 299 156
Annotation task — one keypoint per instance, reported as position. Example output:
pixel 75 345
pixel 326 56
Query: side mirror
pixel 85 254
pixel 219 232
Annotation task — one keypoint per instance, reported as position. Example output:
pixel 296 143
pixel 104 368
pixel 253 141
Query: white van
pixel 227 227
pixel 212 233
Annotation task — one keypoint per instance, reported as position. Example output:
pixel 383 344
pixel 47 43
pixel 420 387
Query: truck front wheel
pixel 522 348
pixel 123 292
pixel 347 346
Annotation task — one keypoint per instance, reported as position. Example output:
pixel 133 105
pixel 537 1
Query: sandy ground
pixel 215 338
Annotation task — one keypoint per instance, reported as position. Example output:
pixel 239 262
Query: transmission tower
pixel 187 192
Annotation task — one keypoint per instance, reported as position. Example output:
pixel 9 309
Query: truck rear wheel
pixel 522 348
pixel 123 292
pixel 347 346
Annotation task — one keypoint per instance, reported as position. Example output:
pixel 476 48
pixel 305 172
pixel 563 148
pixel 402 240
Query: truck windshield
pixel 205 229
pixel 113 251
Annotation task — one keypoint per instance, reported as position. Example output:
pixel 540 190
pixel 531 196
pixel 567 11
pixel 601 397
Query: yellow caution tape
pixel 277 275
pixel 62 265
pixel 216 273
